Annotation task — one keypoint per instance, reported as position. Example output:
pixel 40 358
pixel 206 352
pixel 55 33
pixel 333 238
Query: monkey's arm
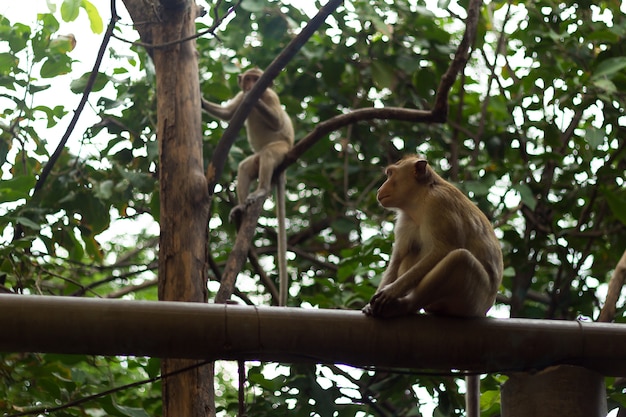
pixel 389 276
pixel 222 112
pixel 391 273
pixel 408 281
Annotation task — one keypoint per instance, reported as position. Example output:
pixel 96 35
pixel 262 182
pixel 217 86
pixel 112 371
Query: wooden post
pixel 564 390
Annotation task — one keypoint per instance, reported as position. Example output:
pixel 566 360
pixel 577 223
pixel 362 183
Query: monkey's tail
pixel 283 278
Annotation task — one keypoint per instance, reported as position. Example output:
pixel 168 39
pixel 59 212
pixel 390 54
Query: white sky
pixel 87 45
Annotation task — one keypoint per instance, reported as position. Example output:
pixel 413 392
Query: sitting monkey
pixel 446 258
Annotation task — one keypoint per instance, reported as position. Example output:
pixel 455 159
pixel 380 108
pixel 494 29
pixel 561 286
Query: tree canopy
pixel 534 135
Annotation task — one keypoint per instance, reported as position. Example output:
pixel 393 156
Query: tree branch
pixel 607 314
pixel 216 166
pixel 239 254
pixel 81 105
pixel 438 114
pixel 460 59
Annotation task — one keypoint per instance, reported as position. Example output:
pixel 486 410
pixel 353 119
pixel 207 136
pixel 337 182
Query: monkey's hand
pixel 367 310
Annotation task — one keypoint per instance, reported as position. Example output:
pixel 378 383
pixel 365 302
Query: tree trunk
pixel 184 196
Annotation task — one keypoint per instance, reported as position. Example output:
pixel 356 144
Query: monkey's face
pixel 248 81
pixel 388 192
pixel 398 189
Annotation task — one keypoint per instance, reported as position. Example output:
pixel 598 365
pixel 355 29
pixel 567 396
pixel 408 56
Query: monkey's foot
pixel 235 214
pixel 386 308
pixel 260 193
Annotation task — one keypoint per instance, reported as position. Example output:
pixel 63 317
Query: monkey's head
pixel 248 79
pixel 397 190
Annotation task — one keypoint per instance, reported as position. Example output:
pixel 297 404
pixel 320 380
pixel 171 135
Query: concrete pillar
pixel 564 390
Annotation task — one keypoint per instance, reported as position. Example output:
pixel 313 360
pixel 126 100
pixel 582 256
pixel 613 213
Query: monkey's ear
pixel 420 169
pixel 239 78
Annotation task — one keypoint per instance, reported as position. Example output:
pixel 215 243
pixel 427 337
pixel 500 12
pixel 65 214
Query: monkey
pixel 446 258
pixel 271 135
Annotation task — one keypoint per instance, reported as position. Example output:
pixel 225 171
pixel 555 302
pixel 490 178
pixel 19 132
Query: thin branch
pixel 437 115
pixel 91 287
pixel 607 314
pixel 312 230
pixel 90 83
pixel 83 288
pixel 83 400
pixel 492 77
pixel 132 288
pixel 460 59
pixel 253 256
pixel 240 251
pixel 211 30
pixel 216 166
pixel 218 277
pixel 307 255
pixel 386 113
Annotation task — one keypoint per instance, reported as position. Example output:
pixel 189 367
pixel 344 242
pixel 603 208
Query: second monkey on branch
pixel 271 135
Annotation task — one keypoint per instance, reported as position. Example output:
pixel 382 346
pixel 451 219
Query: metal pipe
pixel 210 331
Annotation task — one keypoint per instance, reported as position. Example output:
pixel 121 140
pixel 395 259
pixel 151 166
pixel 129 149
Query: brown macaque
pixel 271 135
pixel 446 258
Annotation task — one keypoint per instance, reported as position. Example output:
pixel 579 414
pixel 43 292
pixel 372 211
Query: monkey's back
pixel 467 227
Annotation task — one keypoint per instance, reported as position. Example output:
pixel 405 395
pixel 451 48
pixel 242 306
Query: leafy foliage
pixel 535 137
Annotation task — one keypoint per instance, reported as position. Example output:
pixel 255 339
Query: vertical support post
pixel 563 390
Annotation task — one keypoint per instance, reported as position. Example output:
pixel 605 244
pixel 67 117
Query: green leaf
pixel 617 203
pixel 478 188
pixel 380 25
pixel 49 23
pixel 51 6
pixel 16 188
pixel 70 9
pixel 131 411
pixel 92 247
pixel 594 137
pixel 4 149
pixel 527 195
pixel 383 75
pixel 609 67
pixel 27 223
pixel 104 190
pixel 605 84
pixel 78 85
pixel 19 36
pixel 53 115
pixel 254 6
pixel 95 19
pixel 56 65
pixel 7 63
